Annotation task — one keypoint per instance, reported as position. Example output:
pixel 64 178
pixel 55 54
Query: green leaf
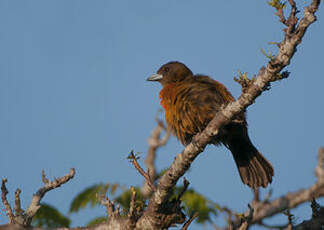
pixel 97 220
pixel 49 217
pixel 195 202
pixel 88 196
pixel 277 4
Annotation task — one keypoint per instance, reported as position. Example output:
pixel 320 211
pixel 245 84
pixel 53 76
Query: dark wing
pixel 194 104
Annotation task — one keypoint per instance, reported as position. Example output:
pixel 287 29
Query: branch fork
pixel 22 217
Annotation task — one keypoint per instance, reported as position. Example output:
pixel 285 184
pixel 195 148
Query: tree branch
pixel 22 218
pixel 5 202
pixel 146 175
pixel 182 162
pixel 162 211
pixel 247 219
pixel 49 185
pixel 188 222
pixel 317 220
pixel 290 200
pixel 155 142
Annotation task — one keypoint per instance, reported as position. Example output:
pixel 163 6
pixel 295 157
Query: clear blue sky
pixel 73 93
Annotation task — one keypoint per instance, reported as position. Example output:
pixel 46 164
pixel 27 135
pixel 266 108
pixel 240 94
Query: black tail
pixel 254 169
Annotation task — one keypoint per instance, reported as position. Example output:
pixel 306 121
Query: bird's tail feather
pixel 254 169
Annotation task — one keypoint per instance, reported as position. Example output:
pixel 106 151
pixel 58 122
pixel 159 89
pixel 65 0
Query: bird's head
pixel 171 72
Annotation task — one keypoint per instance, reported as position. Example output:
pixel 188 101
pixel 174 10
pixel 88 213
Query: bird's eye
pixel 166 69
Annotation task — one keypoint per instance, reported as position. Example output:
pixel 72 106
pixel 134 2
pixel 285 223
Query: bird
pixel 191 101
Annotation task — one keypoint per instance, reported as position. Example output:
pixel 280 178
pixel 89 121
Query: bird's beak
pixel 155 77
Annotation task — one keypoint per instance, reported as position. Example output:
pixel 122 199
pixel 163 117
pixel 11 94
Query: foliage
pixel 195 202
pixel 50 217
pixel 277 4
pixel 125 198
pixel 90 196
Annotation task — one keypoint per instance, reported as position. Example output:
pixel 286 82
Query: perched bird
pixel 191 101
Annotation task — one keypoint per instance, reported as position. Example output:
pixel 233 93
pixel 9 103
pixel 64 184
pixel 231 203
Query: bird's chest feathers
pixel 167 96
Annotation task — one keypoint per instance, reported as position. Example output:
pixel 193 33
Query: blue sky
pixel 73 93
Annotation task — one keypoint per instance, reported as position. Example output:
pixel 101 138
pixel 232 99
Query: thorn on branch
pixel 147 177
pixel 5 202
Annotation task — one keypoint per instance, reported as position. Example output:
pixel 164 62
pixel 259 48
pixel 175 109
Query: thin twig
pixel 315 208
pixel 110 206
pixel 281 15
pixel 290 220
pixel 246 220
pixel 49 185
pixel 132 206
pixel 288 201
pixel 133 159
pixel 155 142
pixel 188 222
pixel 44 178
pixel 184 189
pixel 17 208
pixel 5 202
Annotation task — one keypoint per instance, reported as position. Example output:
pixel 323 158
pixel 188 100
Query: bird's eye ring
pixel 166 69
